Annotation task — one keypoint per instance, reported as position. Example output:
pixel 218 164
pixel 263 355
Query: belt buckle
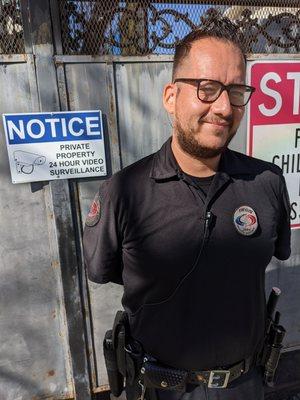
pixel 218 379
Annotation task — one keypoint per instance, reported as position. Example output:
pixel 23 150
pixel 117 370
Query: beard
pixel 190 145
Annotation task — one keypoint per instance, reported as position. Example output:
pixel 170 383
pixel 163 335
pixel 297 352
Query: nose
pixel 222 106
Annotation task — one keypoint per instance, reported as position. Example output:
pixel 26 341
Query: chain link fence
pixel 142 27
pixel 11 27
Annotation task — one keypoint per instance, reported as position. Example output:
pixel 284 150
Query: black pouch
pixel 158 376
pixel 119 339
pixel 114 353
pixel 115 378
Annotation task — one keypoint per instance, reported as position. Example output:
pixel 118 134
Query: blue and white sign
pixel 60 145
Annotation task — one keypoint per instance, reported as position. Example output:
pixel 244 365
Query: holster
pixel 119 336
pixel 123 356
pixel 115 378
pixel 272 352
pixel 114 353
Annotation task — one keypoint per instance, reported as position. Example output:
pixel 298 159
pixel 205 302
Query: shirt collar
pixel 165 165
pixel 234 163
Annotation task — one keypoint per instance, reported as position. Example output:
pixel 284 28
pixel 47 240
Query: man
pixel 190 230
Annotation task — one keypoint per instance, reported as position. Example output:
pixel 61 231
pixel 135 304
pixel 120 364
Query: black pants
pixel 247 387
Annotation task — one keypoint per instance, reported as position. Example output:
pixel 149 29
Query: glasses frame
pixel 223 87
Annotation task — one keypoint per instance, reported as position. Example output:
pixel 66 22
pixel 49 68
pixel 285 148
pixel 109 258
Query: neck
pixel 192 166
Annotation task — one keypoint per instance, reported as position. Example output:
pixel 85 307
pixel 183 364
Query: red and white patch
pixel 94 214
pixel 245 220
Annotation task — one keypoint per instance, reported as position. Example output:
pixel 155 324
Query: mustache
pixel 227 121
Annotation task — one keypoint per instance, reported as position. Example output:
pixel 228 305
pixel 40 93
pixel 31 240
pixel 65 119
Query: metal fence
pixel 11 27
pixel 100 27
pixel 142 27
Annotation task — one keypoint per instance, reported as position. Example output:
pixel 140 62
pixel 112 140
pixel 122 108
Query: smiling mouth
pixel 220 125
pixel 217 123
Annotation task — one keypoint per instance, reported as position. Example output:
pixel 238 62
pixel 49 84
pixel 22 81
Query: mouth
pixel 224 124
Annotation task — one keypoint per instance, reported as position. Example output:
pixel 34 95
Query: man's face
pixel 204 130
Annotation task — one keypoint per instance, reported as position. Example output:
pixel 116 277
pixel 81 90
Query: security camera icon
pixel 25 161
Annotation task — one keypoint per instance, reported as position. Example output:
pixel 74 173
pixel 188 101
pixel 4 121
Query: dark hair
pixel 213 26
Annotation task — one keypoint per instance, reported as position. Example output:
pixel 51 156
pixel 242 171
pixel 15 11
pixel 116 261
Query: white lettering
pixel 64 127
pixel 52 122
pixel 18 130
pixel 29 128
pixel 296 77
pixel 272 93
pixel 71 129
pixel 90 126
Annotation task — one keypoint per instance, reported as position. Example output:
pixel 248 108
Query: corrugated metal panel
pixel 89 88
pixel 143 122
pixel 34 360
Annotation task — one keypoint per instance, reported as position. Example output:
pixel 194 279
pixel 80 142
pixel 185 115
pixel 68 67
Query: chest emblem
pixel 245 220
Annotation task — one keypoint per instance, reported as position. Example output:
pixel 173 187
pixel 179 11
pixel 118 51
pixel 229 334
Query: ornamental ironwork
pixel 144 27
pixel 279 32
pixel 11 27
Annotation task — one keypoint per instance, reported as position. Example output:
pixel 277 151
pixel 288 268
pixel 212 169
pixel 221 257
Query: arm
pixel 102 240
pixel 283 245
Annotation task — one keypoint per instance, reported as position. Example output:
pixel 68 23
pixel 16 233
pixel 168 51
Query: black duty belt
pixel 219 378
pixel 160 376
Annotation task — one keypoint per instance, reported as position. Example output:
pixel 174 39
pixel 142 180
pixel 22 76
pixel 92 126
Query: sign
pixel 60 145
pixel 274 122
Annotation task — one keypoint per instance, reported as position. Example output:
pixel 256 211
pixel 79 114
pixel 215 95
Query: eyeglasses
pixel 209 91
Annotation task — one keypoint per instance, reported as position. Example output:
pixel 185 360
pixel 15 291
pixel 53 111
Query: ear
pixel 169 97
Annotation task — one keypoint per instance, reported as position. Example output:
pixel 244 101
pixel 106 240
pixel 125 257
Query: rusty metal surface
pixel 90 86
pixel 63 229
pixel 143 123
pixel 105 301
pixel 34 359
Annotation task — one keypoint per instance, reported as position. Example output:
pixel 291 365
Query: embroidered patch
pixel 245 220
pixel 94 214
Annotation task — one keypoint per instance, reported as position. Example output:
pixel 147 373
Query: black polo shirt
pixel 193 283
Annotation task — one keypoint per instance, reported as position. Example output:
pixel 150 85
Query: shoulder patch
pixel 94 214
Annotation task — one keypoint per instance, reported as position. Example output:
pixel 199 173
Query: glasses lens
pixel 239 95
pixel 208 90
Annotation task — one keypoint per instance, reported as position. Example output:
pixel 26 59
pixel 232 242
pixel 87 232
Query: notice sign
pixel 274 122
pixel 60 145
